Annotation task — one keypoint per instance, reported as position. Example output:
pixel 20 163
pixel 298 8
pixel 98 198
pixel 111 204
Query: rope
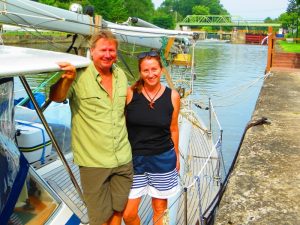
pixel 166 219
pixel 218 196
pixel 126 65
pixel 164 42
pixel 202 168
pixel 197 178
pixel 233 93
pixel 43 84
pixel 215 115
pixel 166 215
pixel 1 40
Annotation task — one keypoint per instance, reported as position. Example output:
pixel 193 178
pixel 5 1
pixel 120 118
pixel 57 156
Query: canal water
pixel 232 76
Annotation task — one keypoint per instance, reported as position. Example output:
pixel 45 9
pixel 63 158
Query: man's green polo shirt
pixel 99 134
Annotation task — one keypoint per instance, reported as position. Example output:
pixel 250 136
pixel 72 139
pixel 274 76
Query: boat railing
pixel 202 171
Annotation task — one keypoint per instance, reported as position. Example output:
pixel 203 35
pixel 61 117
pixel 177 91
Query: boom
pixel 30 14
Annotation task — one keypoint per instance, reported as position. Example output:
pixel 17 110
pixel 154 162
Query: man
pixel 100 144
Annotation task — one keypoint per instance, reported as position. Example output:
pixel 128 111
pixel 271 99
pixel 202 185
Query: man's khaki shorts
pixel 105 190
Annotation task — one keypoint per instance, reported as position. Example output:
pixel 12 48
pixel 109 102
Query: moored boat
pixel 55 177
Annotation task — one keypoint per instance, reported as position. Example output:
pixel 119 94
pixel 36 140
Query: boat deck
pixel 201 178
pixel 60 182
pixel 199 161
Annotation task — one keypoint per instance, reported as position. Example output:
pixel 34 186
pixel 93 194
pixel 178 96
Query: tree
pixel 293 6
pixel 64 4
pixel 118 14
pixel 185 7
pixel 143 9
pixel 216 8
pixel 164 21
pixel 294 13
pixel 268 20
pixel 200 10
pixel 111 10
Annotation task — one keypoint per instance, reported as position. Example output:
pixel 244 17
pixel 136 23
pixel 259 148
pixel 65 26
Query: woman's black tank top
pixel 149 129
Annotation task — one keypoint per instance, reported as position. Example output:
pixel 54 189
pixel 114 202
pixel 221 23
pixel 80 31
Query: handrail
pixel 51 135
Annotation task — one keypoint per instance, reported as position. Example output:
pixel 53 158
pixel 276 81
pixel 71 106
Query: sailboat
pixel 50 192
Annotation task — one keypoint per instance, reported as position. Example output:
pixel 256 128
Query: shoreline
pixel 38 38
pixel 263 187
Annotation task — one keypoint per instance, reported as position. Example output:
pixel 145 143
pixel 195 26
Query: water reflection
pixel 231 75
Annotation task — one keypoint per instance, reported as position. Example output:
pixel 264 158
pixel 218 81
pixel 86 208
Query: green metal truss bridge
pixel 223 20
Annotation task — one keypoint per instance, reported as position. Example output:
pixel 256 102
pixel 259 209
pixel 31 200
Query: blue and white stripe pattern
pixel 155 175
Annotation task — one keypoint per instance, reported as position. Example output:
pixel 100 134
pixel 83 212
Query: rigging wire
pixel 230 97
pixel 37 34
pixel 27 9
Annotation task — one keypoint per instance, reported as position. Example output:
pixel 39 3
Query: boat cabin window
pixel 35 205
pixel 23 195
pixel 7 126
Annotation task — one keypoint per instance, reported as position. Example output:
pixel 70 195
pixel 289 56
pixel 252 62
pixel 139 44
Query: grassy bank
pixel 32 37
pixel 292 47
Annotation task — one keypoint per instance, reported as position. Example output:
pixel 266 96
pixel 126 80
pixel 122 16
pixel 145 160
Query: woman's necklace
pixel 152 100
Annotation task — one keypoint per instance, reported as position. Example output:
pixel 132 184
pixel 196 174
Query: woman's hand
pixel 178 163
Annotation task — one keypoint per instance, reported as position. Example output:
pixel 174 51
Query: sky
pixel 253 9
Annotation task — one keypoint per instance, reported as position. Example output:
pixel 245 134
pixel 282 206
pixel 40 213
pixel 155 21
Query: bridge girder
pixel 223 20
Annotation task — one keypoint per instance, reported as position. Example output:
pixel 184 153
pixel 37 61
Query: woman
pixel 152 122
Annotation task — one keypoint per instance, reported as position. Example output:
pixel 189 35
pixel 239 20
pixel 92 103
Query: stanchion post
pixel 270 49
pixel 210 117
pixel 185 206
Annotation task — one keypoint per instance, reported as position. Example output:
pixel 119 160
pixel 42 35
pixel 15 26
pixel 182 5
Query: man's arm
pixel 58 91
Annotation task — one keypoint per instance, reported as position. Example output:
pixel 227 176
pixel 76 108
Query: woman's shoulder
pixel 175 98
pixel 175 94
pixel 129 95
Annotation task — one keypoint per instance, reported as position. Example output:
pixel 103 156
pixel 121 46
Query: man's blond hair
pixel 106 34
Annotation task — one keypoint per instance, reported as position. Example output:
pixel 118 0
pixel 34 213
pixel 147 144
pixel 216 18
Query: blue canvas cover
pixel 13 165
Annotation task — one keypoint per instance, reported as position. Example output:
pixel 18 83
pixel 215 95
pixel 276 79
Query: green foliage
pixel 186 7
pixel 111 10
pixel 268 20
pixel 293 6
pixel 207 28
pixel 143 9
pixel 170 11
pixel 288 35
pixel 216 8
pixel 286 19
pixel 163 21
pixel 64 4
pixel 200 10
pixel 290 19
